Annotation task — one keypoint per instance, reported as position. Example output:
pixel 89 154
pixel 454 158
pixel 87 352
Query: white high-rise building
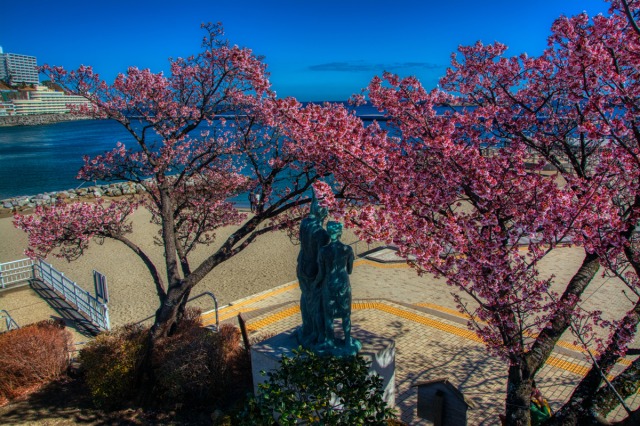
pixel 17 69
pixel 3 66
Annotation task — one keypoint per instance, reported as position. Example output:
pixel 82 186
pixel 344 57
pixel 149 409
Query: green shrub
pixel 109 364
pixel 32 356
pixel 313 389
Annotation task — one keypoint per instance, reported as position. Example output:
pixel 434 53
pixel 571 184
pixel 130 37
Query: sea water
pixel 46 158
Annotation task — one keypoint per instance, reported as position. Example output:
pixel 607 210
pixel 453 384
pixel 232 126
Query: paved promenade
pixel 431 336
pixel 432 339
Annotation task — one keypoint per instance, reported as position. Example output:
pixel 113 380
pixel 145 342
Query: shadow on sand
pixel 68 313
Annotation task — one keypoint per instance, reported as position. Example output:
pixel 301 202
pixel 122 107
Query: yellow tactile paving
pixel 567 366
pixel 364 305
pixel 242 306
pixel 415 317
pixel 379 265
pixel 270 319
pixel 235 308
pixel 468 317
pixel 625 362
pixel 420 319
pixel 561 343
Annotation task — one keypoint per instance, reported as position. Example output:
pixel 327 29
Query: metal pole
pixel 243 330
pixel 106 317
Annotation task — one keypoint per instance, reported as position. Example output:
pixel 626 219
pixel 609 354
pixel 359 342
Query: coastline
pixel 25 204
pixel 38 119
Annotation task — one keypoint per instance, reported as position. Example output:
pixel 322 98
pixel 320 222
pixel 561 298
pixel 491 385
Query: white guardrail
pixel 15 272
pixel 27 269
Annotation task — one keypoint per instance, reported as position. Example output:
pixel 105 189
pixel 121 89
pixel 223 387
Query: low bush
pixel 32 356
pixel 198 367
pixel 109 364
pixel 194 367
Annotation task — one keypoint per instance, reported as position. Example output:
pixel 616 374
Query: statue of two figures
pixel 324 265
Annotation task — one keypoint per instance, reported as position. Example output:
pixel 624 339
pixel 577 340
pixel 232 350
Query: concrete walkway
pixel 431 336
pixel 419 313
pixel 34 301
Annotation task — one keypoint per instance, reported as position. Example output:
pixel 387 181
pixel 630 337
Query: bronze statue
pixel 312 237
pixel 335 262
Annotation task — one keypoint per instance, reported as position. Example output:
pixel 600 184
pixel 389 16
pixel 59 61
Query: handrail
pixel 28 269
pixel 206 293
pixel 97 310
pixel 9 320
pixel 16 271
pixel 355 244
pixel 215 303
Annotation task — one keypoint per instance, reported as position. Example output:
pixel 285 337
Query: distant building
pixel 43 100
pixel 18 69
pixel 7 108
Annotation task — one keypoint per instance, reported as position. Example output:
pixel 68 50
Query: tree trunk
pixel 519 386
pixel 167 313
pixel 182 306
pixel 165 321
pixel 626 384
pixel 582 405
pixel 561 320
pixel 524 368
pixel 579 409
pixel 145 376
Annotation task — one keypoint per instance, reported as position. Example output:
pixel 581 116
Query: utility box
pixel 440 402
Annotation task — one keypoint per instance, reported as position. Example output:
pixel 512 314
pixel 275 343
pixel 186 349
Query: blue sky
pixel 315 50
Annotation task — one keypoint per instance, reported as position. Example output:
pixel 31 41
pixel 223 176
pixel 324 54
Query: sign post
pixel 100 285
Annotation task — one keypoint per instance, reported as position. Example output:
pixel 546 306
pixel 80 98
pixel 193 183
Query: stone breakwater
pixel 49 198
pixel 37 119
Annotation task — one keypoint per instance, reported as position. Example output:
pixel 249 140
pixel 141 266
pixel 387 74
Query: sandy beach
pixel 267 263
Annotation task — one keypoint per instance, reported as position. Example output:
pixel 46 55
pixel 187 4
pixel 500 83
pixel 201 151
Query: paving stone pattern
pixel 431 338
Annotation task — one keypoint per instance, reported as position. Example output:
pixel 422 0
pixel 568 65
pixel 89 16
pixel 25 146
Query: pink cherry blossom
pixel 458 180
pixel 190 163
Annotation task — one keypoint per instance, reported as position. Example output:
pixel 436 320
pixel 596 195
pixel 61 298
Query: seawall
pixel 37 119
pixel 25 203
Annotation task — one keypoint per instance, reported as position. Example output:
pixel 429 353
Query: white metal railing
pixel 15 272
pixel 97 311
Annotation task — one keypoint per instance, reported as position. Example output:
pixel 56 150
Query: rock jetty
pixel 25 202
pixel 37 119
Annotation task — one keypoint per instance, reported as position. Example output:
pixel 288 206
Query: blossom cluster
pixel 467 192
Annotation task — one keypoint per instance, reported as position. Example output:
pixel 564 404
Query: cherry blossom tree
pixel 457 180
pixel 190 162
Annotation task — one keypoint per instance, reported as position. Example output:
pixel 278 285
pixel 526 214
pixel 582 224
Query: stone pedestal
pixel 380 351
